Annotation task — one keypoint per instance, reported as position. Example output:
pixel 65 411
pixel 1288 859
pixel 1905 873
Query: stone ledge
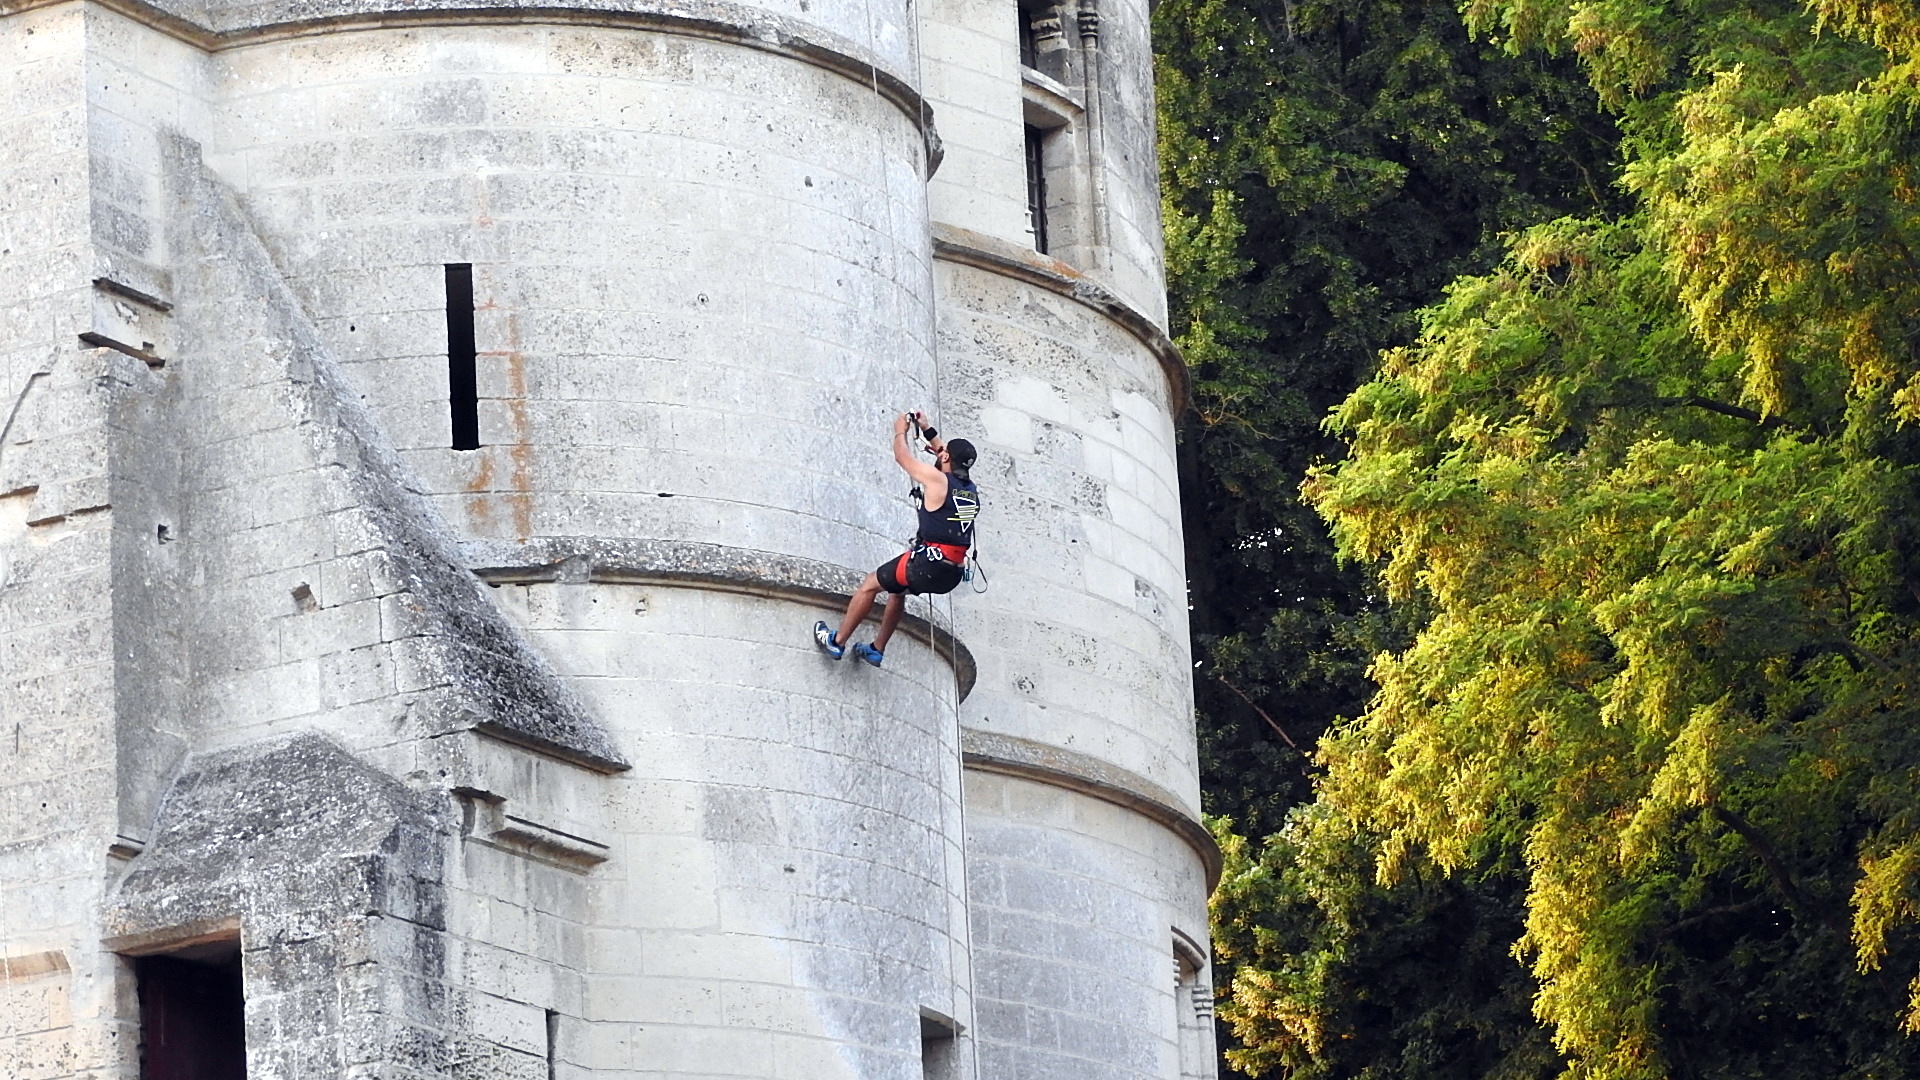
pixel 1010 755
pixel 490 820
pixel 982 252
pixel 691 564
pixel 213 28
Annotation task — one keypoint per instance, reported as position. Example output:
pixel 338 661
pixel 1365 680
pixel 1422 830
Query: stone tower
pixel 429 428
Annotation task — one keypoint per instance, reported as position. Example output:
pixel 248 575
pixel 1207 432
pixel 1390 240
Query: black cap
pixel 961 453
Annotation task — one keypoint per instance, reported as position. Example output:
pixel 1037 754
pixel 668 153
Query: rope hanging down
pixel 939 404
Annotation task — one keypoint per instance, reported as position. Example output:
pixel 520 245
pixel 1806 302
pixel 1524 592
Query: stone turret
pixel 427 432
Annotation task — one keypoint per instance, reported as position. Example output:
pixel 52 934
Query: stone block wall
pixel 1079 731
pixel 784 884
pixel 1076 903
pixel 1072 418
pixel 58 989
pixel 1092 96
pixel 518 762
pixel 1128 158
pixel 59 1009
pixel 680 251
pixel 972 63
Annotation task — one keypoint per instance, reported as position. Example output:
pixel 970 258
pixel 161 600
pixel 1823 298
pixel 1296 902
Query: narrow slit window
pixel 192 1016
pixel 553 1045
pixel 463 381
pixel 1037 188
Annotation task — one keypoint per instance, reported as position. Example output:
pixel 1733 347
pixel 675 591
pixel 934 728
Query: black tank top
pixel 953 522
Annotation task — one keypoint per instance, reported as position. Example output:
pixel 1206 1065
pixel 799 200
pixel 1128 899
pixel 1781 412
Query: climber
pixel 936 560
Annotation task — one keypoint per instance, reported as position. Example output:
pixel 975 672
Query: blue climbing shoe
pixel 864 651
pixel 823 635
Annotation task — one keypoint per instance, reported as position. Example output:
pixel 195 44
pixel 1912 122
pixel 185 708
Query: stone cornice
pixel 698 565
pixel 957 245
pixel 715 20
pixel 1010 755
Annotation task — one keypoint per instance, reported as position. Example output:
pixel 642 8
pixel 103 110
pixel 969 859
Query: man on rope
pixel 936 560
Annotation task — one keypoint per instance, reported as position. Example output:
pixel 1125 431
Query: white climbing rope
pixel 964 896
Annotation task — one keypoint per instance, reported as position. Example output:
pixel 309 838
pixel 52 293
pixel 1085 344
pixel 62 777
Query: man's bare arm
pixel 932 481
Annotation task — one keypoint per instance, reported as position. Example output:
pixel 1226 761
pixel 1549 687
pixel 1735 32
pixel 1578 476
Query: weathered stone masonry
pixel 517 761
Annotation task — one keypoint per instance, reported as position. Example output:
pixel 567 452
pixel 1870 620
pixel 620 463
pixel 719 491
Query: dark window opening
pixel 1037 188
pixel 939 1046
pixel 193 1019
pixel 553 1045
pixel 1039 25
pixel 463 382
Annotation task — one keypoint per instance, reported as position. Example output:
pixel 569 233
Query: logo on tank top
pixel 965 505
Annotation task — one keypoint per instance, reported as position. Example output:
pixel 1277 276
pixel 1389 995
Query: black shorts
pixel 921 570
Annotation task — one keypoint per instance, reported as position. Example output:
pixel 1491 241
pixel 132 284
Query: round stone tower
pixel 429 433
pixel 1089 871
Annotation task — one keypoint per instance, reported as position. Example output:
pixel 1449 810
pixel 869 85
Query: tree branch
pixel 1710 914
pixel 1697 402
pixel 1263 713
pixel 1802 905
pixel 1856 658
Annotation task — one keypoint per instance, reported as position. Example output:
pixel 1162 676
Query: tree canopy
pixel 1644 494
pixel 1647 491
pixel 1329 167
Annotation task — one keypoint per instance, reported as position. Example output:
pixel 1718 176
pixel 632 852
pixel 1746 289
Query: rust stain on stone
pixel 479 506
pixel 513 492
pixel 31 966
pixel 520 449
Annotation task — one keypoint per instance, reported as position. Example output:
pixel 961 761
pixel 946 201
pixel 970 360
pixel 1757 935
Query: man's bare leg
pixel 858 609
pixel 896 607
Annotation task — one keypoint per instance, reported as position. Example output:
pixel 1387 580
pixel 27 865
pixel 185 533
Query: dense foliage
pixel 1330 168
pixel 1649 489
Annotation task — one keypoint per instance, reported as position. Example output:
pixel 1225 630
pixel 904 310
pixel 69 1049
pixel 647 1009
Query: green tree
pixel 1654 482
pixel 1329 167
pixel 1336 976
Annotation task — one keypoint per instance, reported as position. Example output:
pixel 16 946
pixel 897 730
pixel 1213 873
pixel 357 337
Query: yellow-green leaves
pixel 1883 900
pixel 1791 235
pixel 1656 481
